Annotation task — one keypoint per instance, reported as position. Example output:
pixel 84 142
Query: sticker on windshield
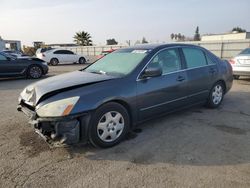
pixel 139 51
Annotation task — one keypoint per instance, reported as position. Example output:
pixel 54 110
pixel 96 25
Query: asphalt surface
pixel 197 147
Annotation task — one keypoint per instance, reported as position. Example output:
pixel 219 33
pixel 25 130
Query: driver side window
pixel 168 60
pixel 2 58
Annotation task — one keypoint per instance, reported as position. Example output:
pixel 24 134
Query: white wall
pixel 2 45
pixel 225 37
pixel 223 49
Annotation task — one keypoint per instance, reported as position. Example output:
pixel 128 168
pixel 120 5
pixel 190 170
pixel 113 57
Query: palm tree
pixel 83 38
pixel 172 36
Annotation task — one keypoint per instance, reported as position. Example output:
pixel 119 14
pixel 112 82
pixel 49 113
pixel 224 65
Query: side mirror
pixel 152 72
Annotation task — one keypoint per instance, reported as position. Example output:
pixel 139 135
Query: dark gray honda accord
pixel 102 102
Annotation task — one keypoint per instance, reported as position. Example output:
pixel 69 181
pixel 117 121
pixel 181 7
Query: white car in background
pixel 241 64
pixel 61 56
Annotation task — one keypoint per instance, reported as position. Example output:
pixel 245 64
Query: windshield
pixel 119 63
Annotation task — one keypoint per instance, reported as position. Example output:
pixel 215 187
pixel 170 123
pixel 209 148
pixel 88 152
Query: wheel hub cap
pixel 110 126
pixel 217 94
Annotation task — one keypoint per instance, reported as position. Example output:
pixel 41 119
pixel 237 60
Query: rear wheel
pixel 109 125
pixel 54 61
pixel 82 60
pixel 216 95
pixel 34 72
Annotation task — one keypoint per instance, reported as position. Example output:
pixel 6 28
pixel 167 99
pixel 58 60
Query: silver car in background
pixel 241 64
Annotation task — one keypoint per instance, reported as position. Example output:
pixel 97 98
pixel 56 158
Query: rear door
pixel 164 93
pixel 202 72
pixel 61 55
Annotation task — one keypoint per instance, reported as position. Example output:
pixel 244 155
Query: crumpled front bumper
pixel 59 131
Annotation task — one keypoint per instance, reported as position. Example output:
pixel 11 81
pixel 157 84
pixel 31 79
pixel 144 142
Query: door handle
pixel 180 78
pixel 212 71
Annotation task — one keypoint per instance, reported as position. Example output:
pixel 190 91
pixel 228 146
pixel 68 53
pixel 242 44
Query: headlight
pixel 58 108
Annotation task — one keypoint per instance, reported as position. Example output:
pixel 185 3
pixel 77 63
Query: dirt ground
pixel 198 147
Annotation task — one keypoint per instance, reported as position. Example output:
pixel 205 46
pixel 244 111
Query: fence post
pixel 222 49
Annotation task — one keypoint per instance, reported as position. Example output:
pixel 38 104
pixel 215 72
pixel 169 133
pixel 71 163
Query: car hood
pixel 33 93
pixel 29 58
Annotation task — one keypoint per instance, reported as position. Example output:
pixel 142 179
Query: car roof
pixel 158 46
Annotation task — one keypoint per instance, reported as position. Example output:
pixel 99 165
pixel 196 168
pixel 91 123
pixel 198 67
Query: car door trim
pixel 171 101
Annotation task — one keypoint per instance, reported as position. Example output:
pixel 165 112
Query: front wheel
pixel 216 95
pixel 109 125
pixel 34 72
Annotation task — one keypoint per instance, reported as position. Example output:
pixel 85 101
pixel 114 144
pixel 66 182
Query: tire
pixel 216 95
pixel 236 77
pixel 109 120
pixel 82 60
pixel 54 62
pixel 34 72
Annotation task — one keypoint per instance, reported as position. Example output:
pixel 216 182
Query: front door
pixel 165 93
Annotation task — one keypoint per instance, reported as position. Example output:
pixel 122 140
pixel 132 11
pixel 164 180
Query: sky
pixel 56 21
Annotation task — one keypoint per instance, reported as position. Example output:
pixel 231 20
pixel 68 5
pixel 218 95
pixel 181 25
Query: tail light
pixel 231 61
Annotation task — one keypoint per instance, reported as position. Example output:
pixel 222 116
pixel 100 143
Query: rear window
pixel 246 51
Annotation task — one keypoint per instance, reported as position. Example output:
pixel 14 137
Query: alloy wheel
pixel 35 72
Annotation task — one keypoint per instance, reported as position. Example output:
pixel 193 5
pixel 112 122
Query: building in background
pixel 38 44
pixel 10 45
pixel 226 37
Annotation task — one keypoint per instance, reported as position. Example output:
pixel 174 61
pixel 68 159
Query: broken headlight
pixel 57 108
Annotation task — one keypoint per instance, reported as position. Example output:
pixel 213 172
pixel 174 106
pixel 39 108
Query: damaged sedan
pixel 101 103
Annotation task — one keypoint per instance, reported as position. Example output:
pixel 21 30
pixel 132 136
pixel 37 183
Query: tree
pixel 197 36
pixel 128 42
pixel 144 41
pixel 239 30
pixel 83 38
pixel 112 42
pixel 179 36
pixel 175 36
pixel 172 36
